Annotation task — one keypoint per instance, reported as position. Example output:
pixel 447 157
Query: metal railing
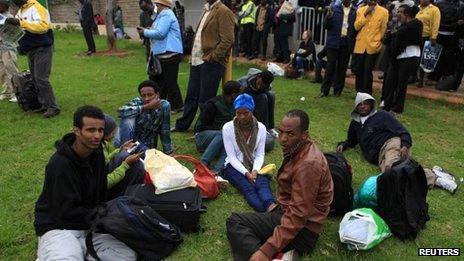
pixel 310 19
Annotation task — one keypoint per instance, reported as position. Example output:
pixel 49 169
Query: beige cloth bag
pixel 166 172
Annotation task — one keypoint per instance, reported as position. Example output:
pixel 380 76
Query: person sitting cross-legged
pixel 145 118
pixel 382 138
pixel 75 183
pixel 304 194
pixel 244 139
pixel 208 129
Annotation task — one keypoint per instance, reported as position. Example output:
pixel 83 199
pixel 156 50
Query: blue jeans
pixel 258 195
pixel 210 142
pixel 202 86
pixel 127 127
pixel 300 61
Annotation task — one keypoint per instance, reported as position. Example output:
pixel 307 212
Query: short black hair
pixel 303 116
pixel 87 111
pixel 149 83
pixel 267 77
pixel 410 11
pixel 146 1
pixel 231 87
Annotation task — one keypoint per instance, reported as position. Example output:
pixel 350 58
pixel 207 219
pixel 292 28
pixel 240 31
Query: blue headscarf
pixel 244 101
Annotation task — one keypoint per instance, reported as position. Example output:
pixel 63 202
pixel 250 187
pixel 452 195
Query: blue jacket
pixel 334 28
pixel 164 33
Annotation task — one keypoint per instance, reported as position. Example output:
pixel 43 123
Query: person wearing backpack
pixel 382 138
pixel 304 193
pixel 75 183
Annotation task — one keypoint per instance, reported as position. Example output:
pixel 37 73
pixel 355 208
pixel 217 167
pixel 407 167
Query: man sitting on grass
pixel 216 112
pixel 75 183
pixel 382 138
pixel 145 118
pixel 304 194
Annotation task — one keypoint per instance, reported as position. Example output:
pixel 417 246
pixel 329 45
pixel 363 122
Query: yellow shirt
pixel 430 18
pixel 346 14
pixel 371 29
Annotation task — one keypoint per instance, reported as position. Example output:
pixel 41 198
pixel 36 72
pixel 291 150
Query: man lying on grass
pixel 382 138
pixel 75 182
pixel 304 194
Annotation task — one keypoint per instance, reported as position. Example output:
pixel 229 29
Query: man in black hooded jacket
pixel 75 182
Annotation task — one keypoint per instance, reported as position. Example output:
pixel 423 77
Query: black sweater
pixel 375 131
pixel 408 34
pixel 72 187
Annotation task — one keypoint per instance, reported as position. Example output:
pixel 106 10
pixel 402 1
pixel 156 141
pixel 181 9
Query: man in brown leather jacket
pixel 304 194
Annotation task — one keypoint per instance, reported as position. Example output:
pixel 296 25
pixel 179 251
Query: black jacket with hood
pixel 379 127
pixel 72 187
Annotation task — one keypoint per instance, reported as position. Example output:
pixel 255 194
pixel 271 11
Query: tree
pixel 110 37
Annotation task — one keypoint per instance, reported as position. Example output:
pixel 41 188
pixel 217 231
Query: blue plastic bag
pixel 366 197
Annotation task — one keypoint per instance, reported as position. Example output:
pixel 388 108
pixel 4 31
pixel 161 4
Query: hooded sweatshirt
pixel 72 187
pixel 379 127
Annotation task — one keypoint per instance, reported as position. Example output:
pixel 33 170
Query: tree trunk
pixel 110 37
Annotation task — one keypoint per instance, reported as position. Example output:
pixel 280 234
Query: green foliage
pixel 27 143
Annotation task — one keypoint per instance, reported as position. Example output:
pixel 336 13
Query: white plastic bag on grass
pixel 362 229
pixel 275 69
pixel 166 172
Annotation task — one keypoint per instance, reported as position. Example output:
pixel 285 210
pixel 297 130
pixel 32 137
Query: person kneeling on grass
pixel 124 169
pixel 304 194
pixel 208 129
pixel 382 138
pixel 244 139
pixel 75 183
pixel 145 118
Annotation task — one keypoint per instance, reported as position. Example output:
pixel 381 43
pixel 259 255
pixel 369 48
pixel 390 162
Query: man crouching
pixel 304 194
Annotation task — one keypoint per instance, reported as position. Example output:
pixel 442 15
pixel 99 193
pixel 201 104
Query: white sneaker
pixel 13 99
pixel 222 183
pixel 3 97
pixel 291 255
pixel 445 180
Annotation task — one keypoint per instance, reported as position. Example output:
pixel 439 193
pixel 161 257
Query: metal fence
pixel 310 19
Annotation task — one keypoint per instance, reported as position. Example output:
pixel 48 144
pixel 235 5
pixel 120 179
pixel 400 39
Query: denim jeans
pixel 210 142
pixel 202 86
pixel 258 195
pixel 127 127
pixel 299 61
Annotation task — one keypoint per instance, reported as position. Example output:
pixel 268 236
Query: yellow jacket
pixel 371 29
pixel 430 18
pixel 34 17
pixel 249 11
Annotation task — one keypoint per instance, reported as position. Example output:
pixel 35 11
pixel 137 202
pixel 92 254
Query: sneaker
pixel 445 180
pixel 51 112
pixel 13 99
pixel 4 97
pixel 381 105
pixel 274 133
pixel 222 183
pixel 291 255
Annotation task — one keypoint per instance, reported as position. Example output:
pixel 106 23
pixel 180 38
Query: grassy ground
pixel 27 142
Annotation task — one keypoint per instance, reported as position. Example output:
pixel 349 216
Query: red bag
pixel 205 178
pixel 147 179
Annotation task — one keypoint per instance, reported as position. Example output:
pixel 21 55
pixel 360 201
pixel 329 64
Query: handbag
pixel 154 66
pixel 204 177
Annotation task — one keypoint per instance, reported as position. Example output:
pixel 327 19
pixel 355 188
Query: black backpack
pixel 401 197
pixel 26 92
pixel 137 225
pixel 341 175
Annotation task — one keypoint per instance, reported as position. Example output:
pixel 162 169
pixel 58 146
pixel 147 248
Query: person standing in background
pixel 179 11
pixel 8 59
pixel 146 20
pixel 87 23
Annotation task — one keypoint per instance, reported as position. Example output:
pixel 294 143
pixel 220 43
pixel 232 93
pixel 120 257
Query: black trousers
pixel 337 63
pixel 281 49
pixel 167 81
pixel 364 66
pixel 459 70
pixel 446 64
pixel 247 38
pixel 396 83
pixel 87 30
pixel 248 231
pixel 260 40
pixel 264 108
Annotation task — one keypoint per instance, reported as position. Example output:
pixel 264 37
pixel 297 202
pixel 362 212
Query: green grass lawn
pixel 27 140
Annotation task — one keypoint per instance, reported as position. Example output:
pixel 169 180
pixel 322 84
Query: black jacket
pixel 408 34
pixel 375 131
pixel 87 14
pixel 72 187
pixel 215 114
pixel 268 18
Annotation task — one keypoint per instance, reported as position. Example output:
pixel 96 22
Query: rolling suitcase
pixel 180 207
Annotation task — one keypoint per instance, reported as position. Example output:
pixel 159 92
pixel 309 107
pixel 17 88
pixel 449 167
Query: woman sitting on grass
pixel 244 139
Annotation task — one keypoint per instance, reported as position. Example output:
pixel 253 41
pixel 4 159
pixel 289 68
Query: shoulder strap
pixel 89 238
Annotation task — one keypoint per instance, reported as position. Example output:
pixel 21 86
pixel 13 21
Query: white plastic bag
pixel 362 229
pixel 275 69
pixel 166 172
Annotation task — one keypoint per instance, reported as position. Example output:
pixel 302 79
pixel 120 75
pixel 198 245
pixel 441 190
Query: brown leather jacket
pixel 217 36
pixel 305 191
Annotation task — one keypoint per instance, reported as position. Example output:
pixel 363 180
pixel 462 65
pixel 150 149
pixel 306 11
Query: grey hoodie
pixel 360 97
